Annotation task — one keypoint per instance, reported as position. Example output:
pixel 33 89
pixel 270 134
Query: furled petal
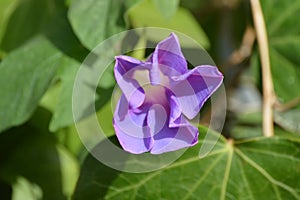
pixel 130 127
pixel 195 87
pixel 124 71
pixel 176 117
pixel 156 118
pixel 171 139
pixel 167 53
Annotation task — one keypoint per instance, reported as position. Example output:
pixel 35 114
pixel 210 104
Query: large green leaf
pixel 25 75
pixel 146 14
pixel 95 20
pixel 284 43
pixel 29 151
pixel 30 68
pixel 261 168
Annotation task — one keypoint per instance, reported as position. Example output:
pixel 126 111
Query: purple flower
pixel 159 97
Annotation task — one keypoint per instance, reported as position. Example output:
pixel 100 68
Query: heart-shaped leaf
pixel 95 20
pixel 260 168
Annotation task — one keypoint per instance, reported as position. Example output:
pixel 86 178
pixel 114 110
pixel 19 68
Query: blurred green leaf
pixel 31 67
pixel 95 20
pixel 146 14
pixel 261 168
pixel 49 100
pixel 92 174
pixel 25 75
pixel 289 119
pixel 193 5
pixel 24 189
pixel 63 115
pixel 131 3
pixel 28 19
pixel 38 158
pixel 105 117
pixel 284 43
pixel 246 132
pixel 167 8
pixel 69 167
pixel 6 8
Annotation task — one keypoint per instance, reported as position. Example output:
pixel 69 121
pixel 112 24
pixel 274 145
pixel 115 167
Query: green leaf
pixel 167 8
pixel 34 155
pixel 105 118
pixel 146 14
pixel 63 115
pixel 24 189
pixel 6 8
pixel 284 44
pixel 289 119
pixel 95 20
pixel 25 75
pixel 28 19
pixel 32 66
pixel 261 168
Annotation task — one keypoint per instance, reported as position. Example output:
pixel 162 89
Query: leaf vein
pixel 227 172
pixel 267 175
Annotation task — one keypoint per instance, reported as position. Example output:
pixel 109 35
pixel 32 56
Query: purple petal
pixel 124 69
pixel 172 139
pixel 195 87
pixel 156 118
pixel 131 130
pixel 167 53
pixel 176 117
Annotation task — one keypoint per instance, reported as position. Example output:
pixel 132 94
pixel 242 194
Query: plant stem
pixel 267 82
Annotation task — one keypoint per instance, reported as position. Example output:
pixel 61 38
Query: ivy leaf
pixel 284 44
pixel 95 20
pixel 259 168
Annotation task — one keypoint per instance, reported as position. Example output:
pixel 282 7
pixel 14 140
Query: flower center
pixel 155 95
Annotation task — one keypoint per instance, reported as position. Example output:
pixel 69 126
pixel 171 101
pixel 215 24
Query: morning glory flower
pixel 159 97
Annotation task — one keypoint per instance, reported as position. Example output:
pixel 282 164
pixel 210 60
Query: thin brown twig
pixel 244 51
pixel 236 58
pixel 267 82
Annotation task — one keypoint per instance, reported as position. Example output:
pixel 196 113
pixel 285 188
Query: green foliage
pixel 35 155
pixel 284 43
pixel 95 20
pixel 246 169
pixel 63 116
pixel 146 14
pixel 167 8
pixel 42 46
pixel 24 79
